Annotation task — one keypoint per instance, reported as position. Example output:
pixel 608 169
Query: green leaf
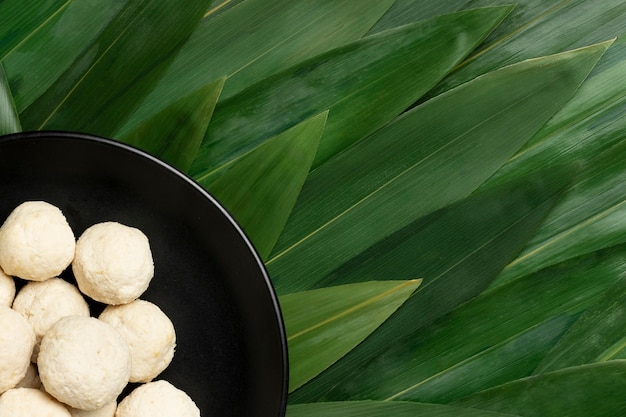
pixel 499 336
pixel 406 11
pixel 458 250
pixel 384 409
pixel 583 391
pixel 9 120
pixel 86 97
pixel 21 18
pixel 539 30
pixel 50 49
pixel 277 35
pixel 394 69
pixel 597 336
pixel 423 161
pixel 323 325
pixel 175 133
pixel 592 216
pixel 589 130
pixel 261 188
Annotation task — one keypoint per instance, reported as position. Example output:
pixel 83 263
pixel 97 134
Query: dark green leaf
pixel 584 391
pixel 588 129
pixel 323 325
pixel 544 29
pixel 175 133
pixel 86 97
pixel 384 409
pixel 260 188
pixel 423 161
pixel 22 18
pixel 51 48
pixel 516 322
pixel 458 251
pixel 394 69
pixel 596 336
pixel 257 38
pixel 9 120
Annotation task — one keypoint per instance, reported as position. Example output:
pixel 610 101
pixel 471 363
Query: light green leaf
pixel 21 18
pixel 537 30
pixel 592 216
pixel 588 130
pixel 394 69
pixel 583 391
pixel 175 133
pixel 9 120
pixel 323 325
pixel 48 50
pixel 277 35
pixel 384 409
pixel 597 336
pixel 407 11
pixel 499 336
pixel 423 161
pixel 87 96
pixel 260 188
pixel 458 250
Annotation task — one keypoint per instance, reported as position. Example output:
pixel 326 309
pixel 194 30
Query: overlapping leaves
pixel 395 204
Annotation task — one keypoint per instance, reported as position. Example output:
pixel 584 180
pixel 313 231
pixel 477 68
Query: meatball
pixel 83 362
pixel 30 402
pixel 157 399
pixel 113 263
pixel 44 303
pixel 7 289
pixel 17 340
pixel 36 242
pixel 150 336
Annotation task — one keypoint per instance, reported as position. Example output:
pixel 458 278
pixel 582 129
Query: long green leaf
pixel 536 30
pixel 499 336
pixel 323 325
pixel 395 68
pixel 425 160
pixel 458 250
pixel 86 97
pixel 591 217
pixel 9 120
pixel 21 18
pixel 584 391
pixel 384 409
pixel 261 188
pixel 588 130
pixel 277 35
pixel 407 11
pixel 51 48
pixel 175 133
pixel 596 336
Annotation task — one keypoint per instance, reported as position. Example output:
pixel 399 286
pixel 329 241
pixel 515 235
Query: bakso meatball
pixel 36 242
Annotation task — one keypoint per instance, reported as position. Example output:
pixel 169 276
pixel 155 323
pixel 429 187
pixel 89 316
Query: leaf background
pixel 533 245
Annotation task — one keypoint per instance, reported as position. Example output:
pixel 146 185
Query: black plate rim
pixel 191 182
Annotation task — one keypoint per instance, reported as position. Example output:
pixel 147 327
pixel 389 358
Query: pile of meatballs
pixel 55 358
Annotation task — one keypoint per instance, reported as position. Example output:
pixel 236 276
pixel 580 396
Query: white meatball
pixel 7 289
pixel 157 399
pixel 36 242
pixel 44 303
pixel 83 362
pixel 30 402
pixel 31 379
pixel 17 340
pixel 150 336
pixel 106 411
pixel 113 263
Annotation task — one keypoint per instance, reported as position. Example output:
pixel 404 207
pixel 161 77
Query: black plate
pixel 231 355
